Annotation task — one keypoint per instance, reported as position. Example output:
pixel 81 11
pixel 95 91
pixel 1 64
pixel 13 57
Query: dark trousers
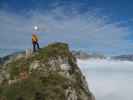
pixel 35 46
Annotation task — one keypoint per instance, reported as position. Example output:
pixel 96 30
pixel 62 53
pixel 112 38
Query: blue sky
pixel 102 26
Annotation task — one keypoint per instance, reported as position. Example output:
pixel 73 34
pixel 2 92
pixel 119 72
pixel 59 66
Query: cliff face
pixel 49 74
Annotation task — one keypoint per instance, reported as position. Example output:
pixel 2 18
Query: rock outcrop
pixel 50 74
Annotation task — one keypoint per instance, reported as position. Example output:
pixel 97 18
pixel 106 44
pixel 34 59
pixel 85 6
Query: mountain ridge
pixel 49 74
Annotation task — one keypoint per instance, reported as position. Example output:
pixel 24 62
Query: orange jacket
pixel 34 38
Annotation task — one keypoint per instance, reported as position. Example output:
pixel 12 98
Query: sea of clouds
pixel 109 80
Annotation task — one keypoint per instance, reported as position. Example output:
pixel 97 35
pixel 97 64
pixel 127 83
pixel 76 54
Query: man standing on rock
pixel 35 40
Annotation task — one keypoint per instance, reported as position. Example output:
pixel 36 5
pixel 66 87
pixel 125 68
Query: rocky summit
pixel 49 74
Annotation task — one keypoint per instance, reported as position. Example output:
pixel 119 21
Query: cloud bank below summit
pixel 109 80
pixel 89 30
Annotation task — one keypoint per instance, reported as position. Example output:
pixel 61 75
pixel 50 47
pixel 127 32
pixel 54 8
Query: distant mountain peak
pixel 85 55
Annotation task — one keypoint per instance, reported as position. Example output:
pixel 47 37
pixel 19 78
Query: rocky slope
pixel 50 74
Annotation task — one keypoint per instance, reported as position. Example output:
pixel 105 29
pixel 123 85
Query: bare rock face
pixel 50 74
pixel 71 94
pixel 34 65
pixel 65 67
pixel 28 53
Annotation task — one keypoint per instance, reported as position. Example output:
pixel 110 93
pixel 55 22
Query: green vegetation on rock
pixel 47 81
pixel 49 88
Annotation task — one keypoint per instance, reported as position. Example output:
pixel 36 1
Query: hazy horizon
pixel 95 26
pixel 5 52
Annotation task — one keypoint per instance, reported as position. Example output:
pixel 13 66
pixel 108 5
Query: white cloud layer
pixel 109 80
pixel 87 30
